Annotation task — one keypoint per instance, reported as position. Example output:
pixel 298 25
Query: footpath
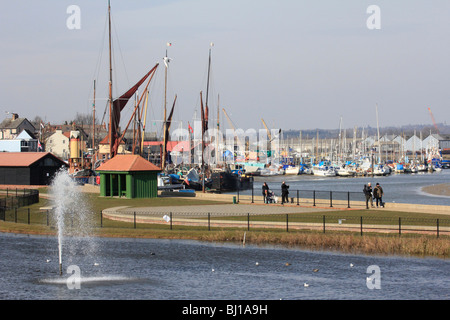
pixel 258 207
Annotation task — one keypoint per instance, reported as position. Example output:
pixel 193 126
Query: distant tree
pixel 83 119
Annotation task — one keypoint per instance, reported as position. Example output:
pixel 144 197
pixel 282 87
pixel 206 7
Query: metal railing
pixel 311 197
pixel 275 222
pixel 292 222
pixel 17 198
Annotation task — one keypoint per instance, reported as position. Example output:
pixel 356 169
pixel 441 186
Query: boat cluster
pixel 353 168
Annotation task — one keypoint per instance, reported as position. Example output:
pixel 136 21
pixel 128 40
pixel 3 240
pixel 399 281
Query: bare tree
pixel 83 119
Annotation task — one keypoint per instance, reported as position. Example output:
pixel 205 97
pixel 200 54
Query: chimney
pixel 15 116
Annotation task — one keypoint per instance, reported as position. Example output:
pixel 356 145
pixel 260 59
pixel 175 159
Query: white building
pixel 432 141
pixel 24 142
pixel 58 144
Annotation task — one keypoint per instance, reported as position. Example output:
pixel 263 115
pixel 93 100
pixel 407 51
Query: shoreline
pixel 422 246
pixel 442 190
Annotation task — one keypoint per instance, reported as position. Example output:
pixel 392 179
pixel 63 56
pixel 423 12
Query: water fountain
pixel 71 213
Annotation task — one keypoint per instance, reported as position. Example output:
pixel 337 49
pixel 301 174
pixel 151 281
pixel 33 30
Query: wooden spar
pixel 166 132
pixel 134 128
pixel 164 151
pixel 149 80
pixel 110 81
pixel 207 81
pixel 203 142
pixel 205 116
pixel 143 127
pixel 93 130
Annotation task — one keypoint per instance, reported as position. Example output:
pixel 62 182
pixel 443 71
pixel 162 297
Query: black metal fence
pixel 207 221
pixel 312 197
pixel 275 222
pixel 17 198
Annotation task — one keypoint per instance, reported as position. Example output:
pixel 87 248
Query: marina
pixel 259 131
pixel 399 188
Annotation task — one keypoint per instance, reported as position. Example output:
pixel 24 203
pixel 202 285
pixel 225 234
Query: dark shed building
pixel 28 168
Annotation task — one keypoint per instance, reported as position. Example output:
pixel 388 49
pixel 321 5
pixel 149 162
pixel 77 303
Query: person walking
pixel 368 194
pixel 378 195
pixel 265 190
pixel 284 193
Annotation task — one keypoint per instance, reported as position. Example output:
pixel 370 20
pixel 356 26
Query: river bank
pixel 346 242
pixel 370 244
pixel 442 189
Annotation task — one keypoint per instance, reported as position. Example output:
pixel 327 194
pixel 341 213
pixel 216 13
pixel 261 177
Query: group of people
pixel 375 193
pixel 268 195
pixel 369 192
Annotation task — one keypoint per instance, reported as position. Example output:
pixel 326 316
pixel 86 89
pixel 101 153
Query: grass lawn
pixel 342 241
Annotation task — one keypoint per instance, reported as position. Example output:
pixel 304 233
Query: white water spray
pixel 70 211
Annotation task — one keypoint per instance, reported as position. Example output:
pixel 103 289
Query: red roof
pixel 22 159
pixel 128 162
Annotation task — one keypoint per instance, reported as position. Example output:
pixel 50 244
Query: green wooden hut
pixel 130 176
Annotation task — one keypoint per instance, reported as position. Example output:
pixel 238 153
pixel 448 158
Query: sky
pixel 296 64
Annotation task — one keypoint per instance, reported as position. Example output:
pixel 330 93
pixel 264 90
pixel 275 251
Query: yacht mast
pixel 110 81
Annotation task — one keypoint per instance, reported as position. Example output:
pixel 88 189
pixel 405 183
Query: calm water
pixel 400 188
pixel 133 269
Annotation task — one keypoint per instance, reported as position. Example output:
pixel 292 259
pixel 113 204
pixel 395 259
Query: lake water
pixel 133 269
pixel 400 188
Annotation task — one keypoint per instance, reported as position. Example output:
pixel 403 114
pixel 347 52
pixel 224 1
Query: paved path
pixel 198 216
pixel 218 209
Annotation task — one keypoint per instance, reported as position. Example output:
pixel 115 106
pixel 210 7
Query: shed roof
pixel 23 159
pixel 128 163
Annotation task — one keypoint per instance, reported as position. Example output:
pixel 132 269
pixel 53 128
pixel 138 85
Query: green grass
pixel 416 244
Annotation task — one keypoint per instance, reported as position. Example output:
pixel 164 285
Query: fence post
pixel 399 226
pixel 287 222
pixel 298 198
pixel 348 199
pixel 170 220
pixel 134 218
pixel 15 215
pixel 101 219
pixel 361 222
pixel 209 221
pixel 323 223
pixel 331 199
pixel 248 221
pixel 437 227
pixel 47 218
pixel 252 192
pixel 314 198
pixel 238 194
pixel 28 215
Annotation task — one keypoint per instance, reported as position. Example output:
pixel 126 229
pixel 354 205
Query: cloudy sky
pixel 296 64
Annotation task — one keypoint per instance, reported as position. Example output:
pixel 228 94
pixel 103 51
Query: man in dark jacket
pixel 368 193
pixel 265 190
pixel 378 195
pixel 284 193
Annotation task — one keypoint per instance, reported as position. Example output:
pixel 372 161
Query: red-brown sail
pixel 117 107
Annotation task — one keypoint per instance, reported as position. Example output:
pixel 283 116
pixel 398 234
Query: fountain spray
pixel 68 203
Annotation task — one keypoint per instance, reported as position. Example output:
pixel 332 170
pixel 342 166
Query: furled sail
pixel 117 106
